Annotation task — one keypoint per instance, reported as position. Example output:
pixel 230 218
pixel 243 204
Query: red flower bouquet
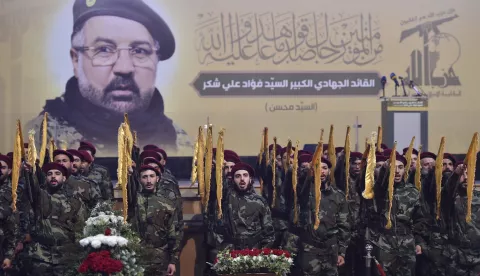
pixel 100 262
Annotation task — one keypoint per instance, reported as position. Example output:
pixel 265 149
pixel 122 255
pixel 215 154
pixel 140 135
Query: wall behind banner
pixel 290 65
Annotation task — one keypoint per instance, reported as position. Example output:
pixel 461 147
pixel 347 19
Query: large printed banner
pixel 293 66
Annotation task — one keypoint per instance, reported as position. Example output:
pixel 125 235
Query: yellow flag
pixel 43 147
pixel 318 187
pixel 16 164
pixel 201 166
pixel 32 151
pixel 379 139
pixel 418 169
pixel 391 181
pixel 219 170
pixel 408 156
pixel 439 174
pixel 471 159
pixel 370 171
pixel 331 154
pixel 208 165
pixel 274 164
pixel 347 163
pixel 294 184
pixel 193 176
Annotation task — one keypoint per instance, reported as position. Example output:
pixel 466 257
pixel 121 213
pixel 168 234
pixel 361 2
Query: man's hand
pixel 340 261
pixel 171 270
pixel 460 169
pixel 28 238
pixel 7 264
pixel 418 250
pixel 19 248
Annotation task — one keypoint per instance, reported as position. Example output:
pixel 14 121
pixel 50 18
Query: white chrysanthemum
pixel 96 243
pixel 290 260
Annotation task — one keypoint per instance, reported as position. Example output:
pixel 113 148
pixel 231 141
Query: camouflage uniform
pixel 246 220
pixel 395 248
pixel 464 243
pixel 84 189
pixel 155 217
pixel 279 210
pixel 101 177
pixel 318 250
pixel 59 217
pixel 8 225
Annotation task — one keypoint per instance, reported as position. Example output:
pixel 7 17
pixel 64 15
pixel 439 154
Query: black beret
pixel 400 158
pixel 305 158
pixel 135 10
pixel 7 160
pixel 326 161
pixel 355 155
pixel 428 155
pixel 381 158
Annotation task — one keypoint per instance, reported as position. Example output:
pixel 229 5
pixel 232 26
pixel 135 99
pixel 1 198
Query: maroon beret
pixel 150 153
pixel 305 158
pixel 7 160
pixel 75 153
pixel 381 158
pixel 64 152
pixel 387 152
pixel 25 145
pixel 228 157
pixel 278 149
pixel 146 168
pixel 326 161
pixel 150 160
pixel 230 152
pixel 86 156
pixel 451 157
pixel 338 150
pixel 243 166
pixel 150 147
pixel 55 166
pixel 325 147
pixel 401 159
pixel 301 152
pixel 284 150
pixel 10 154
pixel 355 155
pixel 84 145
pixel 428 155
pixel 382 146
pixel 414 151
pixel 162 152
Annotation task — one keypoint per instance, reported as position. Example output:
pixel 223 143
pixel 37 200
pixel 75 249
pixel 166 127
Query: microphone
pixel 383 81
pixel 394 78
pixel 414 87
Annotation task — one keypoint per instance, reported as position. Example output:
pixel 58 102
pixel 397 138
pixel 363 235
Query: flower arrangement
pixel 111 244
pixel 253 261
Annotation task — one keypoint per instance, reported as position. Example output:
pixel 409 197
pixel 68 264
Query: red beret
pixel 150 153
pixel 381 158
pixel 64 152
pixel 414 151
pixel 150 147
pixel 326 161
pixel 387 152
pixel 278 149
pixel 230 152
pixel 228 157
pixel 401 159
pixel 428 155
pixel 10 154
pixel 75 153
pixel 7 160
pixel 146 168
pixel 162 152
pixel 382 146
pixel 355 155
pixel 305 158
pixel 338 150
pixel 55 166
pixel 243 166
pixel 84 145
pixel 150 160
pixel 86 156
pixel 451 157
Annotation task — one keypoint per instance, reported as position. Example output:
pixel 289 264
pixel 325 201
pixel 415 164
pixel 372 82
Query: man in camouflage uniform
pixel 396 248
pixel 276 201
pixel 86 189
pixel 8 225
pixel 60 216
pixel 320 251
pixel 464 237
pixel 246 220
pixel 97 173
pixel 155 217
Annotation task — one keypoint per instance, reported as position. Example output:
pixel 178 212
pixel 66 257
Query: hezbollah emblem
pixel 90 3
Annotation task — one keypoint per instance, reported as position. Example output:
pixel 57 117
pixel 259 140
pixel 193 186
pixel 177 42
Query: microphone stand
pixel 403 86
pixel 396 88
